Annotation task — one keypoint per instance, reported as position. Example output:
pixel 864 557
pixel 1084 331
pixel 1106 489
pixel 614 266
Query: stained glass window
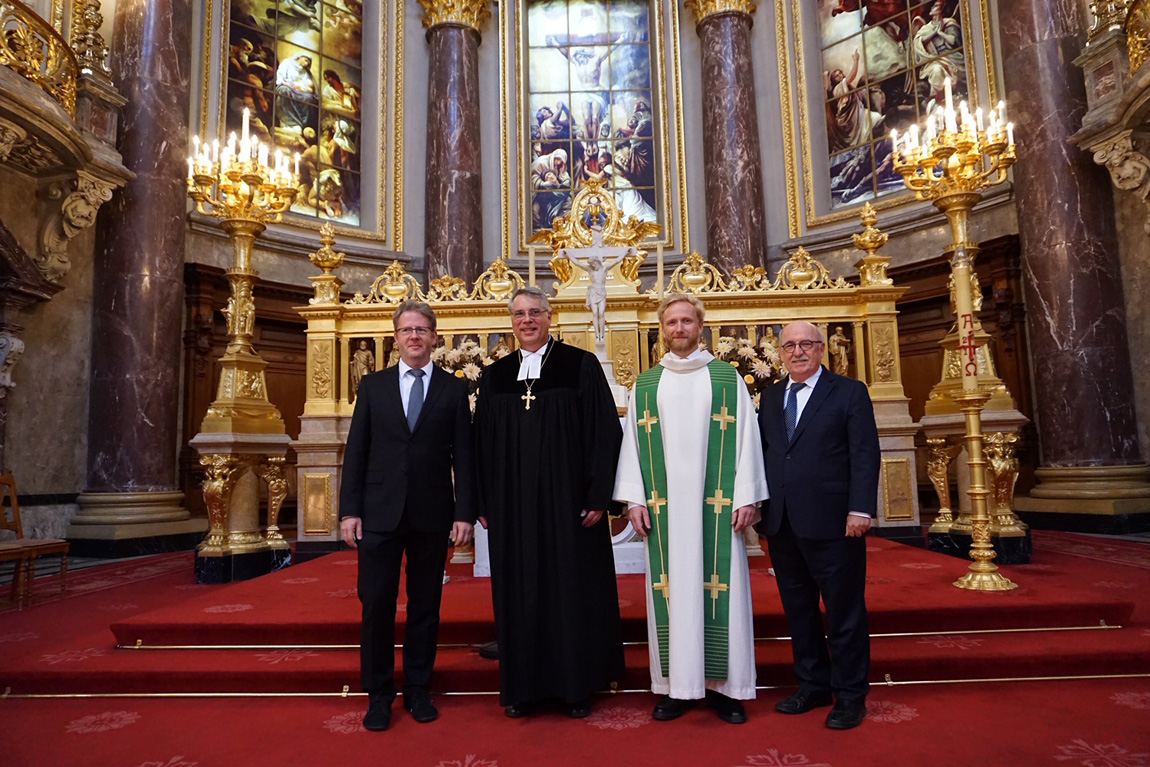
pixel 590 110
pixel 884 63
pixel 298 66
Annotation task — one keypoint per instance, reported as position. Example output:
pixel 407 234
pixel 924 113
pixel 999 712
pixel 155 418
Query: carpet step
pixel 896 659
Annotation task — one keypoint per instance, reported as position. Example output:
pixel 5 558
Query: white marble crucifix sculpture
pixel 598 260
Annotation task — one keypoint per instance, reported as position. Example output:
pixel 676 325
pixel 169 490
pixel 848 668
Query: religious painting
pixel 297 66
pixel 588 85
pixel 884 65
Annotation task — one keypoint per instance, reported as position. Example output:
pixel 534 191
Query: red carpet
pixel 63 645
pixel 1095 723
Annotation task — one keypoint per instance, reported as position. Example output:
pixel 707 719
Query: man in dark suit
pixel 821 447
pixel 410 434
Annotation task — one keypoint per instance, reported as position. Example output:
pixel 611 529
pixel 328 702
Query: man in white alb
pixel 691 474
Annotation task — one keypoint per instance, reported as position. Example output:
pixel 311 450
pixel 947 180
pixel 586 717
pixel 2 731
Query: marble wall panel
pixel 1134 249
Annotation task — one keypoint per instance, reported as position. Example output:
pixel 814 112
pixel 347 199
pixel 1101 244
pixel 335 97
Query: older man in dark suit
pixel 821 447
pixel 410 435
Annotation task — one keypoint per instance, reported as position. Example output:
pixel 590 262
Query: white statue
pixel 598 260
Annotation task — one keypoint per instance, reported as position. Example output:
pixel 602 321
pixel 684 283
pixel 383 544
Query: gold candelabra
pixel 954 159
pixel 246 192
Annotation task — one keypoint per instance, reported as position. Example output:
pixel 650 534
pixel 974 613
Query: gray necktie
pixel 791 411
pixel 415 399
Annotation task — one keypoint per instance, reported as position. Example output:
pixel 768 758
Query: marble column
pixel 733 168
pixel 453 231
pixel 1075 307
pixel 138 293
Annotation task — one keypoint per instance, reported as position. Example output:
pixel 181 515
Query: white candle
pixel 946 89
pixel 914 137
pixel 659 268
pixel 531 265
pixel 297 164
pixel 1002 112
pixel 215 150
pixel 1010 134
pixel 247 119
pixel 978 119
pixel 191 168
pixel 232 144
pixel 195 145
pixel 263 155
pixel 894 142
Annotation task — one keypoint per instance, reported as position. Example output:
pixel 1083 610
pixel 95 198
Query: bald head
pixel 802 345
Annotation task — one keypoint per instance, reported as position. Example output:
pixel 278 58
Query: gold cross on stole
pixel 723 419
pixel 528 398
pixel 718 501
pixel 714 586
pixel 665 587
pixel 655 501
pixel 647 421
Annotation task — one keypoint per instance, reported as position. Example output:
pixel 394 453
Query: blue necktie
pixel 791 411
pixel 415 399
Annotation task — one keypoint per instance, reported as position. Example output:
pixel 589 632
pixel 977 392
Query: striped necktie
pixel 791 411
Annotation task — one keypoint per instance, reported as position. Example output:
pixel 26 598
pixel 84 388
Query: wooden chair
pixel 25 551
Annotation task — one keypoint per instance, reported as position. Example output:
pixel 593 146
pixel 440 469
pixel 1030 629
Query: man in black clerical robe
pixel 548 439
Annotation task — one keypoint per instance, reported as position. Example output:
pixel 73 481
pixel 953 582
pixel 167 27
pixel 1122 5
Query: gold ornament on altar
pixel 872 267
pixel 956 157
pixel 593 207
pixel 327 285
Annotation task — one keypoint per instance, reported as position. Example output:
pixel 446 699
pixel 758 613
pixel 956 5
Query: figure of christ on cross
pixel 598 260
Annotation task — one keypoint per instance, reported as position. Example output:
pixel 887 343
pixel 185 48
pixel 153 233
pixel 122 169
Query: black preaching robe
pixel 552 580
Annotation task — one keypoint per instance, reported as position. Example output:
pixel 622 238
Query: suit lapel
pixel 818 396
pixel 775 396
pixel 393 399
pixel 437 384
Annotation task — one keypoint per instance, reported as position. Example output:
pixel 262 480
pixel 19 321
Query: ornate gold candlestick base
pixel 983 574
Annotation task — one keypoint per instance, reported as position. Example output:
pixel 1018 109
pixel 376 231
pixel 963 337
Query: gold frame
pixel 659 68
pixel 795 207
pixel 394 53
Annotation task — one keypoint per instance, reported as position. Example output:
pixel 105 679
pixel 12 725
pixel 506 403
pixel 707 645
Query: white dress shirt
pixel 406 380
pixel 531 363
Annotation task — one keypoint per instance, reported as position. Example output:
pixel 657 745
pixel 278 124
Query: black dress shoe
pixel 671 708
pixel 730 710
pixel 846 715
pixel 378 716
pixel 802 702
pixel 579 710
pixel 420 706
pixel 489 651
pixel 517 710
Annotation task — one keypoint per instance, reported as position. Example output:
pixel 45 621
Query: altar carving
pixel 745 312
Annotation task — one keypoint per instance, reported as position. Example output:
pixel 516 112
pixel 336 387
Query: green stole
pixel 718 488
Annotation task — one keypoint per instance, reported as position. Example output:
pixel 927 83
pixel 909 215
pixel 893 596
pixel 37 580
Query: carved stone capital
pixel 467 13
pixel 704 9
pixel 11 348
pixel 1129 168
pixel 81 199
pixel 11 135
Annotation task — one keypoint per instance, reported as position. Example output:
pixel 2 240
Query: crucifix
pixel 647 421
pixel 528 398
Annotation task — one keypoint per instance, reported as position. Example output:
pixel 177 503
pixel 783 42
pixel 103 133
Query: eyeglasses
pixel 420 331
pixel 532 313
pixel 790 346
